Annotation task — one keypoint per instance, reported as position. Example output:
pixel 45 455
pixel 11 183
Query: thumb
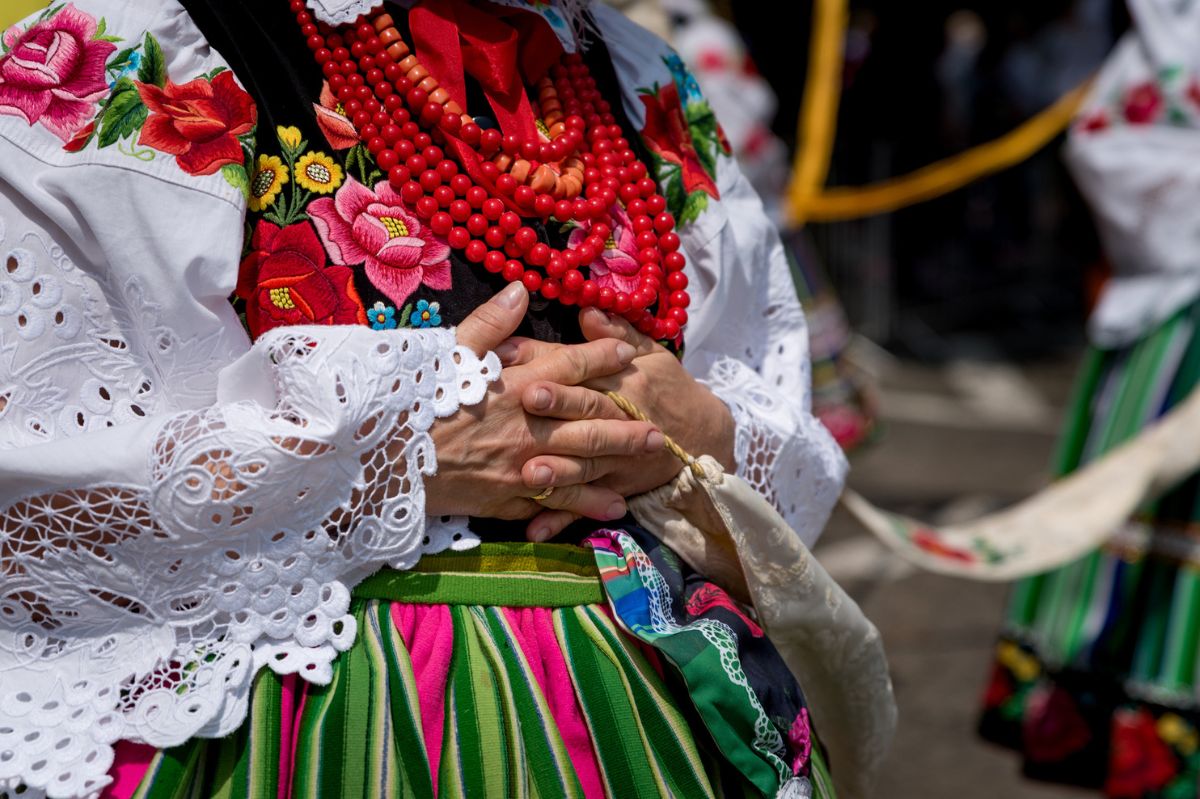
pixel 494 321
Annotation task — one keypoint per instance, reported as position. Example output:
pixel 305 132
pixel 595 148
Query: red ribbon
pixel 499 47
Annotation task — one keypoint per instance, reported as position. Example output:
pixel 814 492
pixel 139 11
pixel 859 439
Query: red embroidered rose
pixel 1143 104
pixel 1094 123
pixel 53 73
pixel 931 542
pixel 375 228
pixel 709 596
pixel 198 122
pixel 999 689
pixel 1193 92
pixel 1139 762
pixel 331 119
pixel 285 280
pixel 1053 728
pixel 667 135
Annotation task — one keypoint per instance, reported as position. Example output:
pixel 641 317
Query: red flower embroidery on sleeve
pixel 198 122
pixel 667 135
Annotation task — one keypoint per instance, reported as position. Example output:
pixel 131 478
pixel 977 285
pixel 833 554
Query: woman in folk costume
pixel 1096 679
pixel 316 560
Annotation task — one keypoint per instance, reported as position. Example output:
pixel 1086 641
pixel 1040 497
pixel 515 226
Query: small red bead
pixel 416 97
pixel 470 133
pixel 563 210
pixel 551 289
pixel 589 292
pixel 416 163
pixel 476 251
pixel 430 180
pixel 411 192
pixel 477 224
pixel 459 237
pixel 494 261
pixel 476 196
pixel 386 159
pixel 460 210
pixel 447 168
pixel 524 195
pixel 525 238
pixel 669 241
pixel 621 303
pixel 646 238
pixel 532 280
pixel 495 237
pixel 679 299
pixel 677 281
pixel 606 298
pixel 426 207
pixel 543 205
pixel 441 223
pixel 664 222
pixel 492 208
pixel 674 261
pixel 511 144
pixel 506 185
pixel 513 270
pixel 539 254
pixel 679 315
pixel 510 223
pixel 444 196
pixel 398 176
pixel 572 280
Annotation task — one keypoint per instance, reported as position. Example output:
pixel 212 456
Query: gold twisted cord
pixel 679 452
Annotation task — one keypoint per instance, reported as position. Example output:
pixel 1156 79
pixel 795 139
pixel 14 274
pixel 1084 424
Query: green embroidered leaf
pixel 235 175
pixel 154 66
pixel 695 204
pixel 1170 73
pixel 405 315
pixel 702 123
pixel 1177 116
pixel 51 11
pixel 121 60
pixel 123 115
pixel 100 29
pixel 212 73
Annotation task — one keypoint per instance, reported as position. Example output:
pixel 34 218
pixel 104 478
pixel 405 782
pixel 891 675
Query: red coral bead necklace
pixel 577 170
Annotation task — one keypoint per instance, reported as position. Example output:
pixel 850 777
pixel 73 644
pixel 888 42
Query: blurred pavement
pixel 958 441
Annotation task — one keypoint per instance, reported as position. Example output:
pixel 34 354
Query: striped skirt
pixel 1095 679
pixel 515 670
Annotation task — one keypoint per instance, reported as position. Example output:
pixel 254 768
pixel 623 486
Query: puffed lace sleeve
pixel 178 508
pixel 746 337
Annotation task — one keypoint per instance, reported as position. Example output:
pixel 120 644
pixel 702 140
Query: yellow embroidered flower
pixel 318 173
pixel 1023 665
pixel 267 182
pixel 289 137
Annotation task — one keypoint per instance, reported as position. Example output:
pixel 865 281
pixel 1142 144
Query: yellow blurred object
pixel 13 11
pixel 809 201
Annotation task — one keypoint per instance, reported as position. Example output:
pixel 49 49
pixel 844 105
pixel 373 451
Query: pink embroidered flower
pixel 800 738
pixel 331 119
pixel 709 596
pixel 1053 728
pixel 617 266
pixel 53 73
pixel 1143 104
pixel 1094 123
pixel 360 226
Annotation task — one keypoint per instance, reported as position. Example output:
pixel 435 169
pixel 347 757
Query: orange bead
pixel 430 85
pixel 384 21
pixel 439 96
pixel 408 63
pixel 556 129
pixel 503 162
pixel 389 36
pixel 520 170
pixel 542 180
pixel 416 74
pixel 398 50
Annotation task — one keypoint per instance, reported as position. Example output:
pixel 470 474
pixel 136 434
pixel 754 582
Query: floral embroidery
pixel 709 596
pixel 800 739
pixel 286 280
pixel 375 228
pixel 332 120
pixel 1053 728
pixel 289 136
pixel 1171 96
pixel 382 317
pixel 53 73
pixel 426 314
pixel 684 140
pixel 1139 760
pixel 269 177
pixel 318 173
pixel 617 266
pixel 199 122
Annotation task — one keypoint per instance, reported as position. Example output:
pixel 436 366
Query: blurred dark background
pixel 1003 268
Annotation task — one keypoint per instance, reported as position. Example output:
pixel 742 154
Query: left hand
pixel 656 382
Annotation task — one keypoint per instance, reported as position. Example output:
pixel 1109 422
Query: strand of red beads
pixel 579 173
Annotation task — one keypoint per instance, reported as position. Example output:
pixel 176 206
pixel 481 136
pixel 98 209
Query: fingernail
pixel 539 534
pixel 654 441
pixel 541 399
pixel 625 352
pixel 597 315
pixel 542 476
pixel 615 511
pixel 507 353
pixel 511 296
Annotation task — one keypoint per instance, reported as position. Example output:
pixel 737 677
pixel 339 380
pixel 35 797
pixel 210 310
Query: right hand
pixel 482 449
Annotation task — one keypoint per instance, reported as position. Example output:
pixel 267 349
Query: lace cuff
pixel 221 540
pixel 781 450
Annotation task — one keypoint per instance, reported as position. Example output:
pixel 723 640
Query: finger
pixel 596 438
pixel 548 524
pixel 570 403
pixel 544 471
pixel 596 324
pixel 602 504
pixel 578 363
pixel 490 324
pixel 519 350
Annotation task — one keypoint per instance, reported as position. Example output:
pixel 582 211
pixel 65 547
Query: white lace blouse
pixel 180 508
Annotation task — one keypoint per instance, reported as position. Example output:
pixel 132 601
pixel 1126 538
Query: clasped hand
pixel 546 423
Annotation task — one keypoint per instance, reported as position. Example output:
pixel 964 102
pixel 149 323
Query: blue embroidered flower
pixel 382 317
pixel 689 89
pixel 131 64
pixel 426 314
